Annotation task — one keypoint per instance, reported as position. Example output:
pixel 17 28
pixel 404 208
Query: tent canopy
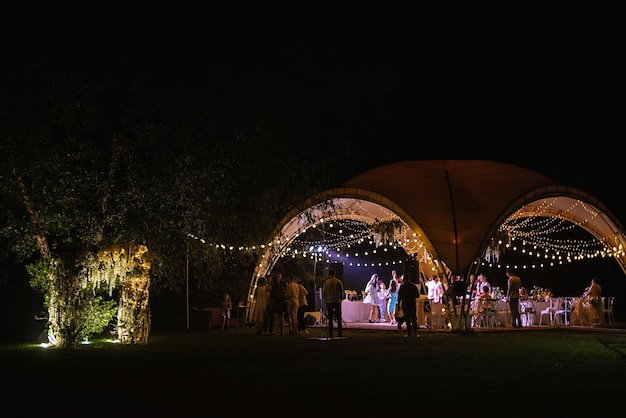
pixel 459 204
pixel 453 208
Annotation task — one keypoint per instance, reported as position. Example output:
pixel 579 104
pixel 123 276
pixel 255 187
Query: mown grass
pixel 371 372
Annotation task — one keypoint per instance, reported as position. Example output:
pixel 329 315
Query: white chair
pixel 607 309
pixel 484 313
pixel 555 304
pixel 563 311
pixel 491 315
pixel 527 312
pixel 478 319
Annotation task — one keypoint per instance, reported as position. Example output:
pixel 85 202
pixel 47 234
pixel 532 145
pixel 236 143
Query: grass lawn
pixel 371 373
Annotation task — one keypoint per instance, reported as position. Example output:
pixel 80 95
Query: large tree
pixel 91 164
pixel 110 140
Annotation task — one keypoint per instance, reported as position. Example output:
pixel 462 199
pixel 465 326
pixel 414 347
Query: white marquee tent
pixel 449 209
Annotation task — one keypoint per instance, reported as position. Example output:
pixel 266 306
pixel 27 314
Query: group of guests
pixel 483 304
pixel 587 310
pixel 435 290
pixel 401 294
pixel 276 299
pixel 483 301
pixel 383 299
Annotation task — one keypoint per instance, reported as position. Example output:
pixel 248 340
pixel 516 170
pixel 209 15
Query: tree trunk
pixel 133 322
pixel 64 307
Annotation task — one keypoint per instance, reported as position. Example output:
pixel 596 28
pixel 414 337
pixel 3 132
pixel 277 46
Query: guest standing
pixel 482 282
pixel 471 286
pixel 431 285
pixel 302 305
pixel 383 298
pixel 269 323
pixel 399 314
pixel 394 278
pixel 227 306
pixel 333 295
pixel 371 297
pixel 393 300
pixel 514 284
pixel 278 300
pixel 460 288
pixel 260 305
pixel 292 304
pixel 407 296
pixel 439 290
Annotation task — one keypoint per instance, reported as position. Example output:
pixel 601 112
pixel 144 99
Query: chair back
pixel 607 309
pixel 556 304
pixel 565 310
pixel 527 306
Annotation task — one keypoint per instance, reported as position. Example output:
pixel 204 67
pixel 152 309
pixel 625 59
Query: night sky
pixel 541 87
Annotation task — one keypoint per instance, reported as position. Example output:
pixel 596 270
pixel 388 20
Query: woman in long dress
pixel 594 295
pixel 371 297
pixel 260 306
pixel 393 301
pixel 586 310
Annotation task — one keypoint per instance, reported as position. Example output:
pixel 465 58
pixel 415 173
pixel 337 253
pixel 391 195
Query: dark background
pixel 539 86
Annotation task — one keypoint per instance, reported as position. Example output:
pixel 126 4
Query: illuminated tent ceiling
pixel 453 207
pixel 457 206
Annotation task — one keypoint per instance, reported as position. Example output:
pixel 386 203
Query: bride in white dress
pixel 371 297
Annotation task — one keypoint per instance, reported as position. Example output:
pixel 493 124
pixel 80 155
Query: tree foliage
pixel 94 162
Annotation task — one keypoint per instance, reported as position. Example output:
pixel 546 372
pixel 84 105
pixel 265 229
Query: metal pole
pixel 187 284
pixel 315 270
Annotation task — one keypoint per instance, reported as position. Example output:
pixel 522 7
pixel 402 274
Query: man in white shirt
pixel 431 284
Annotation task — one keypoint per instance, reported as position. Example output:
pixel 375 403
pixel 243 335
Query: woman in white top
pixel 430 285
pixel 371 297
pixel 383 295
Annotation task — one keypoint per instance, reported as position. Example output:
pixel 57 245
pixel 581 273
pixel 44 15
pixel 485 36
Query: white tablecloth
pixel 504 313
pixel 541 306
pixel 355 311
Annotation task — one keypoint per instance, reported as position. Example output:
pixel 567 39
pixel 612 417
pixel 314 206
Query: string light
pixel 553 235
pixel 545 235
pixel 339 242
